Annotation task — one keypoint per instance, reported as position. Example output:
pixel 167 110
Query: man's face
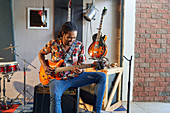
pixel 69 37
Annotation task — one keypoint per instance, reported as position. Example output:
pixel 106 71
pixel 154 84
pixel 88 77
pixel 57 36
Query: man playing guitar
pixel 72 53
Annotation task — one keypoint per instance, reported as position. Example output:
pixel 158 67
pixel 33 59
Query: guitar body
pixel 44 78
pixel 98 49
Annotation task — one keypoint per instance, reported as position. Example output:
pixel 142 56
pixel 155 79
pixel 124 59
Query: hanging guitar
pixel 69 11
pixel 98 48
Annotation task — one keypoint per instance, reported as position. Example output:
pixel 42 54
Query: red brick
pixel 149 79
pixel 136 64
pixel 156 16
pixel 151 10
pixel 148 99
pixel 159 98
pixel 149 70
pixel 144 55
pixel 164 84
pixel 162 1
pixel 139 59
pixel 154 74
pixel 135 94
pixel 168 41
pixel 159 6
pixel 165 64
pixel 156 26
pixel 138 99
pixel 140 40
pixel 154 64
pixel 165 6
pixel 150 60
pixel 143 74
pixel 153 93
pixel 159 88
pixel 145 25
pixel 165 26
pixel 141 84
pixel 155 55
pixel 141 1
pixel 140 30
pixel 145 35
pixel 139 79
pixel 137 25
pixel 145 15
pixel 161 40
pixel 144 46
pixel 151 1
pixel 165 55
pixel 160 60
pixel 145 5
pixel 150 40
pixel 165 35
pixel 155 45
pixel 160 70
pixel 140 20
pixel 162 21
pixel 139 70
pixel 168 79
pixel 140 10
pixel 163 11
pixel 160 79
pixel 137 15
pixel 151 21
pixel 136 45
pixel 155 36
pixel 148 88
pixel 165 46
pixel 142 94
pixel 150 50
pixel 136 74
pixel 168 50
pixel 153 83
pixel 138 88
pixel 139 50
pixel 153 31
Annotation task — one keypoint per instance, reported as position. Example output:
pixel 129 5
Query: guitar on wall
pixel 44 78
pixel 98 48
pixel 69 11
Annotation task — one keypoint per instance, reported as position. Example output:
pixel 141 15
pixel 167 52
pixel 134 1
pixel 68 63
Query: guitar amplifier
pixel 69 104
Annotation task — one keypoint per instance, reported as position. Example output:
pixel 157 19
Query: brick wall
pixel 152 51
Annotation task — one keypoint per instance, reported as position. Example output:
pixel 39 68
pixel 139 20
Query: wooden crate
pixel 107 100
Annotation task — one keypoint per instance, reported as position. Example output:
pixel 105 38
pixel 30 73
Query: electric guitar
pixel 44 78
pixel 69 11
pixel 98 48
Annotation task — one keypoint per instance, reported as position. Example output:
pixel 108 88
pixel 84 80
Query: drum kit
pixel 7 69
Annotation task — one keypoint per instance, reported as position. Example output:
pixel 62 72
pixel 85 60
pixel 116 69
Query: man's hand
pixel 48 70
pixel 77 70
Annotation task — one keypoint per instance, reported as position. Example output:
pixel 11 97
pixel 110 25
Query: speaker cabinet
pixel 69 104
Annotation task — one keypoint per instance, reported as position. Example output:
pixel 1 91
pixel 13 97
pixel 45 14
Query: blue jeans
pixel 57 88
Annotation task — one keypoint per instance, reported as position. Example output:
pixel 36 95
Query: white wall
pixel 29 43
pixel 129 42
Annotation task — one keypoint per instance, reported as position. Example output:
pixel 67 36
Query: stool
pixel 69 104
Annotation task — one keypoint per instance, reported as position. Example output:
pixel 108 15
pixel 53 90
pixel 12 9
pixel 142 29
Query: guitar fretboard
pixel 69 68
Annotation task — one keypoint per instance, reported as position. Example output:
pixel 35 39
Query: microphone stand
pixel 129 83
pixel 24 69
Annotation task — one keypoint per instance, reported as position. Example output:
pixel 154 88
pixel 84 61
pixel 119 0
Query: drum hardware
pixel 24 91
pixel 4 97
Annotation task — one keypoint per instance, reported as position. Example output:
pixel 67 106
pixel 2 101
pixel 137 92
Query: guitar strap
pixel 70 51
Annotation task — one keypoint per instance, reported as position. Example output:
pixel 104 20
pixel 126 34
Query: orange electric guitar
pixel 98 48
pixel 44 78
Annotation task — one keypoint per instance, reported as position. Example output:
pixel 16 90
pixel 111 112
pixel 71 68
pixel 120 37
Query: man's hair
pixel 69 26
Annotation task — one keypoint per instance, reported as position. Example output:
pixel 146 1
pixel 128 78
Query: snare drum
pixel 9 67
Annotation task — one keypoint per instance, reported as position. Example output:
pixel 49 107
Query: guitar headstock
pixel 104 11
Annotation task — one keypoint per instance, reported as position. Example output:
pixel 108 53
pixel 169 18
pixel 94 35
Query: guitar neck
pixel 100 27
pixel 69 68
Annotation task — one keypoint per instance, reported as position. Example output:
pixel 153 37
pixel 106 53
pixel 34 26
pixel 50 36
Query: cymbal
pixel 10 47
pixel 1 58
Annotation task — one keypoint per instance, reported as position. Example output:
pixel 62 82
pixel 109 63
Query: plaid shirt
pixel 57 51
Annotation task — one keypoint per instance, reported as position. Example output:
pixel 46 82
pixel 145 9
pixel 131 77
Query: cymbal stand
pixel 24 91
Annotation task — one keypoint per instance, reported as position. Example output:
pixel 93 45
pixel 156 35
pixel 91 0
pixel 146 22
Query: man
pixel 75 78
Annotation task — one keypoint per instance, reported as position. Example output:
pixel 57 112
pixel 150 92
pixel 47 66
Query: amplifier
pixel 69 104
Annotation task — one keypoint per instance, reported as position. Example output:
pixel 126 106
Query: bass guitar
pixel 44 78
pixel 98 48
